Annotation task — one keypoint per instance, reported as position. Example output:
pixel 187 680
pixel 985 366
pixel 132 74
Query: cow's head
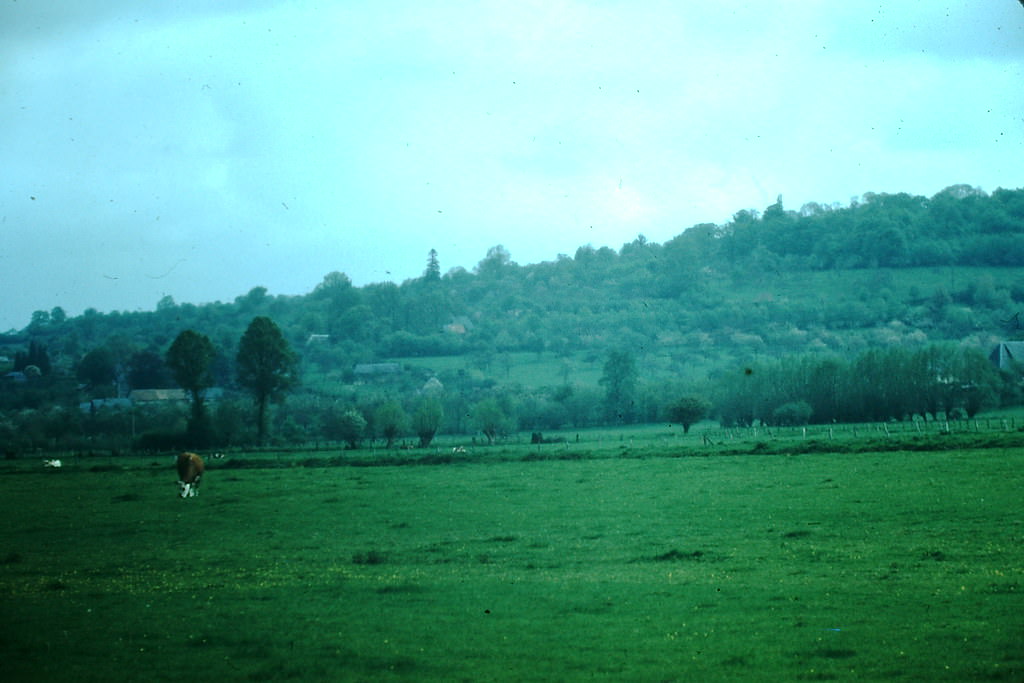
pixel 188 489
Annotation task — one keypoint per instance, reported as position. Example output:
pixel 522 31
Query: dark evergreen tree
pixel 433 271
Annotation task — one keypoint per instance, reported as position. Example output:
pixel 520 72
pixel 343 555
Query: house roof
pixel 146 395
pixel 1006 354
pixel 143 395
pixel 376 368
pixel 98 403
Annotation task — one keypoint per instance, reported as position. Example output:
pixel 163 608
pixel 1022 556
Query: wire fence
pixel 863 430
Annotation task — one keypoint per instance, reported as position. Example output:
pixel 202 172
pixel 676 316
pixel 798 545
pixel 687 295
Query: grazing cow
pixel 190 473
pixel 52 463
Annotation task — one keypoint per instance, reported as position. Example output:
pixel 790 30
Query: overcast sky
pixel 200 149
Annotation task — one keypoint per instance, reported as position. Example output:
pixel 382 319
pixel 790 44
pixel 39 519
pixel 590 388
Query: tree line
pixel 825 293
pixel 878 385
pixel 701 281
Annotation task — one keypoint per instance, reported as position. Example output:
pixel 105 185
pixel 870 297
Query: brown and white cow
pixel 190 473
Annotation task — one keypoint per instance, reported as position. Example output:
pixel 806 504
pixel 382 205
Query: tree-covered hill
pixel 885 268
pixel 887 271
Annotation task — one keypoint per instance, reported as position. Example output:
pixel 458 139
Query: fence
pixel 838 430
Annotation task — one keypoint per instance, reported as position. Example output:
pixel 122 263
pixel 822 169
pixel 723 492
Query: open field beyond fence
pixel 879 565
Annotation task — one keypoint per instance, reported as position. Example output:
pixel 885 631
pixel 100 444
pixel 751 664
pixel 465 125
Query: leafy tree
pixel 256 298
pixel 266 367
pixel 792 414
pixel 38 356
pixel 619 381
pixel 40 319
pixel 390 420
pixel 339 305
pixel 231 428
pixel 490 418
pixel 497 262
pixel 688 411
pixel 190 358
pixel 979 383
pixel 147 370
pixel 97 369
pixel 427 420
pixel 348 425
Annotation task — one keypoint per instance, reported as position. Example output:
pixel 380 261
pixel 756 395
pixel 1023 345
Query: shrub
pixel 792 414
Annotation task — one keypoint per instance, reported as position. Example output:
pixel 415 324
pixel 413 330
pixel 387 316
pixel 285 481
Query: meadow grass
pixel 628 566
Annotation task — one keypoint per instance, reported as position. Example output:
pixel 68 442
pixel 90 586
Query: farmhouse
pixel 91 406
pixel 432 387
pixel 459 325
pixel 150 396
pixel 1008 355
pixel 146 396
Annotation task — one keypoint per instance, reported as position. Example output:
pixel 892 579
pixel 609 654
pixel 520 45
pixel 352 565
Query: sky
pixel 199 149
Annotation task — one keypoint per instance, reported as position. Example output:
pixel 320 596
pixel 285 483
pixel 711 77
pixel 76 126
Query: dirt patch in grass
pixel 370 557
pixel 936 555
pixel 675 555
pixel 800 533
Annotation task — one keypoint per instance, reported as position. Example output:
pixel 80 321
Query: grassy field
pixel 633 566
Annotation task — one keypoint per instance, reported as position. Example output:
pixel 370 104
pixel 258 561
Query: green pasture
pixel 518 564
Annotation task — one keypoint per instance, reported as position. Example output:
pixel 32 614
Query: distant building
pixel 318 339
pixel 104 403
pixel 365 370
pixel 148 396
pixel 432 387
pixel 459 325
pixel 1008 355
pixel 143 396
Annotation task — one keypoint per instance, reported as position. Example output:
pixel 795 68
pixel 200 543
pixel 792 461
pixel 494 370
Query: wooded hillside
pixel 889 271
